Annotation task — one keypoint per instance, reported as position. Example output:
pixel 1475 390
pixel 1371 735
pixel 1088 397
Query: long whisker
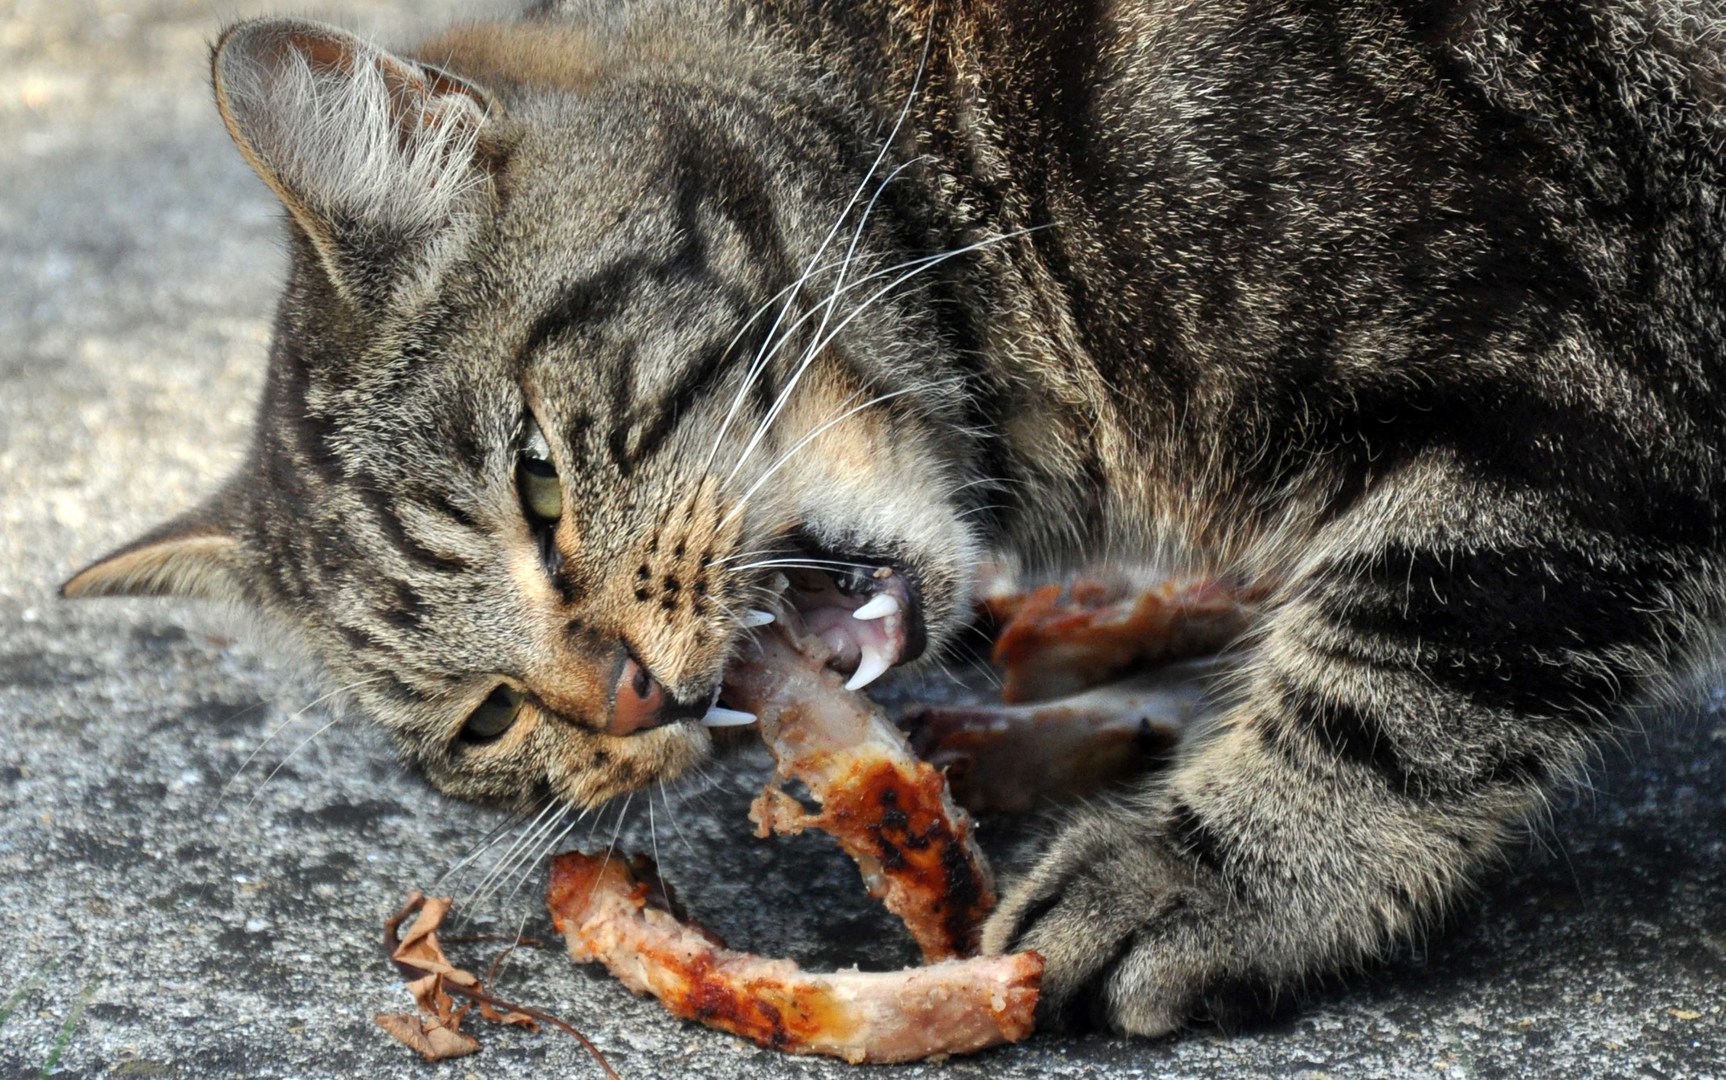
pixel 228 830
pixel 805 441
pixel 483 890
pixel 283 726
pixel 917 266
pixel 772 345
pixel 862 185
pixel 528 866
pixel 989 481
pixel 653 831
pixel 757 553
pixel 823 310
pixel 671 816
pixel 543 823
pixel 612 846
pixel 491 839
pixel 807 564
pixel 741 330
pixel 282 764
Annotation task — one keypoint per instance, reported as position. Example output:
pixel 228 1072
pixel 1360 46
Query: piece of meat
pixel 1056 641
pixel 1006 758
pixel 617 915
pixel 887 810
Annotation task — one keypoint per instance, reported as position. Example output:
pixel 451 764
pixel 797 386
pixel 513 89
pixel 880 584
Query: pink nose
pixel 640 700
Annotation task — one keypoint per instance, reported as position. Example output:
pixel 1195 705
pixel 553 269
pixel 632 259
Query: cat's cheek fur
pixel 882 484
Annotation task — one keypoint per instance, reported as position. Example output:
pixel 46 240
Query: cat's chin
pixel 619 765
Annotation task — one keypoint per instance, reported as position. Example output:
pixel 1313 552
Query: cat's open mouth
pixel 867 611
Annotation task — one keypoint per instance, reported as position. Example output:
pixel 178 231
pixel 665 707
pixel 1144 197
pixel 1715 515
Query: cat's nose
pixel 642 703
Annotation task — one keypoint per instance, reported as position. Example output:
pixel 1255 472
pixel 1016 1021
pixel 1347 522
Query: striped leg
pixel 1413 699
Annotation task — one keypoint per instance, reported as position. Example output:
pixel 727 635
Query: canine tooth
pixel 757 618
pixel 717 717
pixel 871 667
pixel 883 605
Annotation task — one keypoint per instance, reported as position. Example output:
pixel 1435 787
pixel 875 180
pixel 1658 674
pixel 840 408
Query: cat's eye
pixel 537 479
pixel 494 716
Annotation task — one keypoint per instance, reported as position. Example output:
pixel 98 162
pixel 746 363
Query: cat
pixel 1413 312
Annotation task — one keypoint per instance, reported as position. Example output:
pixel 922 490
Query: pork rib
pixel 888 810
pixel 1057 641
pixel 1008 758
pixel 618 915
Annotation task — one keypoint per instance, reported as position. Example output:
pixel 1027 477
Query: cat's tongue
pixel 864 619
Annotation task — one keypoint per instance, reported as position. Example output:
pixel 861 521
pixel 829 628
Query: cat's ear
pixel 381 160
pixel 194 555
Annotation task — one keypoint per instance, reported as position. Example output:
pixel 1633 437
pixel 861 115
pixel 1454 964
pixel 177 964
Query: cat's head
pixel 558 378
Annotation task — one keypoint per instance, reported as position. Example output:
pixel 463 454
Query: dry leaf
pixel 436 1032
pixel 433 1041
pixel 1685 1014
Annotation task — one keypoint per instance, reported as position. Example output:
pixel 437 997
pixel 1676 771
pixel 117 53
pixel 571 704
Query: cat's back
pixel 1471 166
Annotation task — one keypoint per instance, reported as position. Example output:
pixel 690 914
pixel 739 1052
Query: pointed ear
pixel 194 555
pixel 378 158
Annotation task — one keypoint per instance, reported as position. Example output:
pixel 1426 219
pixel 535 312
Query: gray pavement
pixel 165 912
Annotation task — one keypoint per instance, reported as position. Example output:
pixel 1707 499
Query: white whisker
pixel 806 564
pixel 546 849
pixel 917 266
pixel 612 846
pixel 283 726
pixel 671 816
pixel 881 155
pixel 806 440
pixel 282 764
pixel 505 865
pixel 491 839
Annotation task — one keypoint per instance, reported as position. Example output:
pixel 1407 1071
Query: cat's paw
pixel 1133 939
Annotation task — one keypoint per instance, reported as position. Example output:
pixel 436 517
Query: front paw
pixel 1132 937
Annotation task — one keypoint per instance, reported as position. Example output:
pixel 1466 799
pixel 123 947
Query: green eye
pixel 541 490
pixel 537 480
pixel 493 717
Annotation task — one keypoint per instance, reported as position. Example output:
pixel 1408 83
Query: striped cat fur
pixel 1412 311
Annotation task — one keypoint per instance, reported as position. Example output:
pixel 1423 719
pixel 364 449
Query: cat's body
pixel 1412 311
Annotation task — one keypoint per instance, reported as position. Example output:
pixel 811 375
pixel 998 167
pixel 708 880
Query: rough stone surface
pixel 166 912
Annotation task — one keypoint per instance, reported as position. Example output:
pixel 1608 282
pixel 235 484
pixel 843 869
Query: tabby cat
pixel 1411 311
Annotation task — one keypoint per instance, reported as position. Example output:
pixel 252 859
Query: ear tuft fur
pixel 373 154
pixel 188 557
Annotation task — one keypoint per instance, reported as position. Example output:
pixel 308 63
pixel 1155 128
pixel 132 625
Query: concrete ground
pixel 165 912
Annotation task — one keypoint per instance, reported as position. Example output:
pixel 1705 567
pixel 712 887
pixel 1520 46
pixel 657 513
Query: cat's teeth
pixel 717 717
pixel 869 668
pixel 757 618
pixel 883 605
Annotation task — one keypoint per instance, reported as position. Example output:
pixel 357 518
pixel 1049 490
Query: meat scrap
pixel 617 914
pixel 1056 641
pixel 1006 758
pixel 889 811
